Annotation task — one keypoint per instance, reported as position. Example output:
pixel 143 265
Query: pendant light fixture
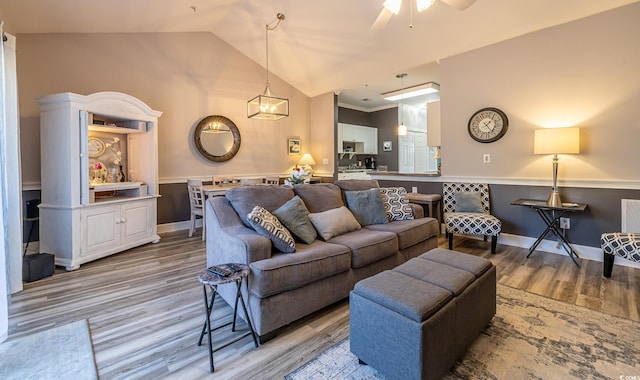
pixel 402 129
pixel 265 106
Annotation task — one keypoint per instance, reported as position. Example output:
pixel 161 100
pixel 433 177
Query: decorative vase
pixel 121 177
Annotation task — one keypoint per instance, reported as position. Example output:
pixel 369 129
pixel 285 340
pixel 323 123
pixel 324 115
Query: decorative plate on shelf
pixel 96 147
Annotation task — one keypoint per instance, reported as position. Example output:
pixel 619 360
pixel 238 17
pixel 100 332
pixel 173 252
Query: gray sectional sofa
pixel 284 287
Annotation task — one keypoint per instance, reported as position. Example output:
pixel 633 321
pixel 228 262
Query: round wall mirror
pixel 217 138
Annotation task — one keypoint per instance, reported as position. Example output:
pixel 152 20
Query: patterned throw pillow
pixel 396 204
pixel 269 226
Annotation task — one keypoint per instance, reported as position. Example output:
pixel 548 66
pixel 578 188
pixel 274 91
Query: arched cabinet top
pixel 114 103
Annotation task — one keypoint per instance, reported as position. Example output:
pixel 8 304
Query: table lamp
pixel 556 141
pixel 305 162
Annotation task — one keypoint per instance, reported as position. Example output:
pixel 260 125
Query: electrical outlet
pixel 565 223
pixel 486 158
pixel 414 189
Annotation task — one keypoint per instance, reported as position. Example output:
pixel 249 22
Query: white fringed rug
pixel 63 352
pixel 530 337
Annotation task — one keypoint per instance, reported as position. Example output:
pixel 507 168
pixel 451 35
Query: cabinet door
pixel 136 221
pixel 349 133
pixel 100 229
pixel 370 140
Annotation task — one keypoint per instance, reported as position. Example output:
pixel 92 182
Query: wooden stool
pixel 429 200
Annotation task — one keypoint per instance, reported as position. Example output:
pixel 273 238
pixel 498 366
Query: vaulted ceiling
pixel 322 46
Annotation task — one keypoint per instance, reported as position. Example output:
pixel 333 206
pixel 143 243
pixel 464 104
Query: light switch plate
pixel 486 158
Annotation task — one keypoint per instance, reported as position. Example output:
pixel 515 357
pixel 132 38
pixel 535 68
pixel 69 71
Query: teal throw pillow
pixel 295 216
pixel 468 201
pixel 269 226
pixel 366 206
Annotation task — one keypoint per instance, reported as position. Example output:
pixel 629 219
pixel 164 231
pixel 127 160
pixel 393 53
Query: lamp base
pixel 554 199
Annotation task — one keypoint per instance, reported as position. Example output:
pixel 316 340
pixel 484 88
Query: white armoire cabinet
pixel 87 213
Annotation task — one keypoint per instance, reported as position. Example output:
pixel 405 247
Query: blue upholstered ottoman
pixel 415 321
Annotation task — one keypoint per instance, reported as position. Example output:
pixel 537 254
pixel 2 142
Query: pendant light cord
pixel 277 20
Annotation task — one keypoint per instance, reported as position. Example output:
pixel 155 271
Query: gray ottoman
pixel 415 321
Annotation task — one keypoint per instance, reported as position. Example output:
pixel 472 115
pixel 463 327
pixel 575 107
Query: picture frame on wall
pixel 387 146
pixel 294 147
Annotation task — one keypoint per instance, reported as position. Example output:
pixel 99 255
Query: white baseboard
pixel 177 226
pixel 585 252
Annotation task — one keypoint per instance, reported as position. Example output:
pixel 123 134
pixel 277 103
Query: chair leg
pixel 484 237
pixel 450 240
pixel 203 228
pixel 494 243
pixel 192 227
pixel 607 266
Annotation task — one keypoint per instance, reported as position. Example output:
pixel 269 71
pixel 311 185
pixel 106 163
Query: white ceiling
pixel 323 45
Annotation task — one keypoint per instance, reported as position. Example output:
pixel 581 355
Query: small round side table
pixel 212 280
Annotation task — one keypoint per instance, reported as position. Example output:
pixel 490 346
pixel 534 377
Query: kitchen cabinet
pixel 84 214
pixel 365 139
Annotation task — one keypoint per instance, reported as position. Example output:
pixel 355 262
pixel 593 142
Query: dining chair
pixel 272 181
pixel 467 211
pixel 196 199
pixel 250 181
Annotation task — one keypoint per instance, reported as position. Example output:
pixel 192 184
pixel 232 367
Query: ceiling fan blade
pixel 459 4
pixel 382 20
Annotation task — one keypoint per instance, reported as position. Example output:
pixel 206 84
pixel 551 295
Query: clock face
pixel 488 125
pixel 96 147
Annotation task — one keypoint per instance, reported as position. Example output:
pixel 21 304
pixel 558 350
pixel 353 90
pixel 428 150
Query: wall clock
pixel 96 147
pixel 488 125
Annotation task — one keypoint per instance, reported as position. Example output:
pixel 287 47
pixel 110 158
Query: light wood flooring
pixel 145 309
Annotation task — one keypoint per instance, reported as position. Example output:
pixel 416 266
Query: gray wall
pixel 602 214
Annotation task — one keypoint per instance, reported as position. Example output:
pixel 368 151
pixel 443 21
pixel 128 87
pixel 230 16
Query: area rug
pixel 63 352
pixel 530 337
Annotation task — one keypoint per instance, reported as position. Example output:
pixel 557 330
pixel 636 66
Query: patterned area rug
pixel 530 337
pixel 63 352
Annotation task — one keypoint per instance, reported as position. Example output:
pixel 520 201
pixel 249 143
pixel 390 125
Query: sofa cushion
pixel 334 222
pixel 267 225
pixel 319 197
pixel 368 246
pixel 244 198
pixel 396 204
pixel 312 262
pixel 410 232
pixel 295 216
pixel 357 184
pixel 366 206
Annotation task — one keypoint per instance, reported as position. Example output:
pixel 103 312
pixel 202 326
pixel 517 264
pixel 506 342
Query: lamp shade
pixel 557 141
pixel 306 160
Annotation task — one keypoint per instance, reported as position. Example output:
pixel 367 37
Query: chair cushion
pixel 621 244
pixel 295 216
pixel 334 222
pixel 472 223
pixel 410 232
pixel 267 225
pixel 468 201
pixel 319 197
pixel 396 204
pixel 366 206
pixel 312 262
pixel 368 246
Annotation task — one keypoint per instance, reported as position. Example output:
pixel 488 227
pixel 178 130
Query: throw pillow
pixel 366 206
pixel 468 201
pixel 396 204
pixel 295 216
pixel 334 222
pixel 269 226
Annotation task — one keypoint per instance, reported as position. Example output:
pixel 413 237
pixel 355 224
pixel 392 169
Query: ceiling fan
pixel 392 7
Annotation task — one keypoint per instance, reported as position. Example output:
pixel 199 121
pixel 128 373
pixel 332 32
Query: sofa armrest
pixel 230 241
pixel 418 211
